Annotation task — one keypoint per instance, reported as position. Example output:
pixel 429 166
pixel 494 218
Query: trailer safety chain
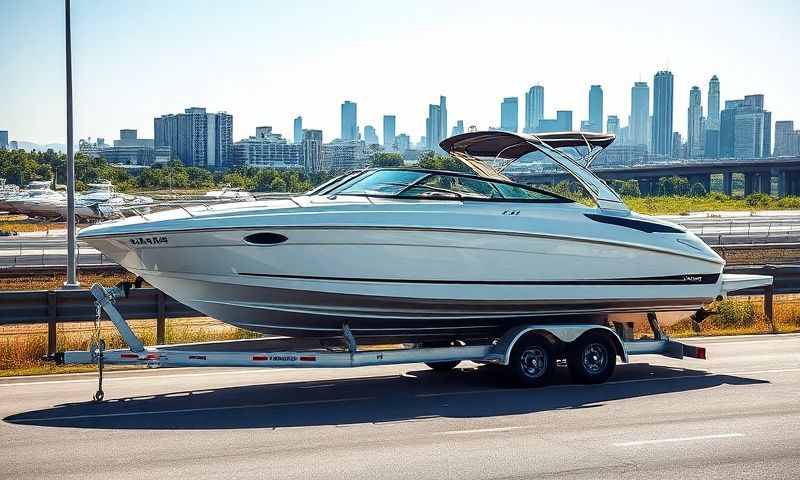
pixel 98 347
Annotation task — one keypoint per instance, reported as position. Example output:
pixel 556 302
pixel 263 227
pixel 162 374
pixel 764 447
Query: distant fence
pixel 61 306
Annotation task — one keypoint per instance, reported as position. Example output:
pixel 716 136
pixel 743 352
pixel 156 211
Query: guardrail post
pixel 769 312
pixel 51 323
pixel 161 319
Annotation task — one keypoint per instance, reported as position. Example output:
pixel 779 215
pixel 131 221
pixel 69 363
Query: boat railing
pixel 191 206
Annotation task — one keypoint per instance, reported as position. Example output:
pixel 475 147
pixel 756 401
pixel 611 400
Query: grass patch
pixel 21 223
pixel 744 316
pixel 53 281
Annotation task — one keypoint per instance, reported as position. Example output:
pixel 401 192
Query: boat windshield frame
pixel 334 188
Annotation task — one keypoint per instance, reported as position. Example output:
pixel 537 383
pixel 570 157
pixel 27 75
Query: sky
pixel 266 62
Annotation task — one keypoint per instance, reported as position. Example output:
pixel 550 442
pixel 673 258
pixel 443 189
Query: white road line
pixel 190 410
pixel 678 439
pixel 107 378
pixel 482 430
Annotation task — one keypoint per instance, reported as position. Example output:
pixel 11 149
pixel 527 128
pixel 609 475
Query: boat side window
pixel 451 186
pixel 382 182
pixel 519 193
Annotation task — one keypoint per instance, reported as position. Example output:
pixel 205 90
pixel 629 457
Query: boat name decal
pixel 149 241
pixel 692 278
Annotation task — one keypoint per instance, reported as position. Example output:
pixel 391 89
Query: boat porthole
pixel 265 238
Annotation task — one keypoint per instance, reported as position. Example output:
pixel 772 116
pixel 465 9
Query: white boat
pixel 31 197
pixel 405 252
pixel 229 194
pixel 99 202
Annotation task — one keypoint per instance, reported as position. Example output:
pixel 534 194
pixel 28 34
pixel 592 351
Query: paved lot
pixel 736 415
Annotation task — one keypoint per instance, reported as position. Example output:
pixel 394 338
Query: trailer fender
pixel 501 351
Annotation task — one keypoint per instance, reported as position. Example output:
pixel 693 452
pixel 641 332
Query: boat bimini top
pixel 489 153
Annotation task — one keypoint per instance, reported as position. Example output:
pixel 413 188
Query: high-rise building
pixel 562 122
pixel 662 113
pixel 346 155
pixel 433 124
pixel 370 136
pixel 442 119
pixel 3 139
pixel 612 125
pixel 640 114
pixel 349 121
pixel 267 150
pixel 297 136
pixel 389 126
pixel 534 108
pixel 312 150
pixel 787 139
pixel 727 128
pixel 596 108
pixel 402 142
pixel 458 128
pixel 198 138
pixel 745 128
pixel 712 123
pixel 694 131
pixel 509 114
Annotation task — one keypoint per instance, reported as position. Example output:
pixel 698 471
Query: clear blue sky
pixel 266 62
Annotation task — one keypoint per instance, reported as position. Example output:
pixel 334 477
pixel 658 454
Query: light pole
pixel 72 281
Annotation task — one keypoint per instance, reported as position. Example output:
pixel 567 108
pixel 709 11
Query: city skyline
pixel 130 69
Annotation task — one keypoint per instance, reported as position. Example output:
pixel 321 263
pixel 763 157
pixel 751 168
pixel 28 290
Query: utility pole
pixel 72 281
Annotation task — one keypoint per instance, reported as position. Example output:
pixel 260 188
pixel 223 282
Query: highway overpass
pixel 758 174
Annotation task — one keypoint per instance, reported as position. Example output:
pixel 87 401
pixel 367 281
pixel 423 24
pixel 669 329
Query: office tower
pixel 596 108
pixel 349 121
pixel 267 150
pixel 640 114
pixel 713 104
pixel 612 125
pixel 297 137
pixel 433 124
pixel 458 128
pixel 442 119
pixel 402 142
pixel 370 136
pixel 389 126
pixel 662 113
pixel 694 132
pixel 509 114
pixel 312 150
pixel 753 129
pixel 198 138
pixel 3 139
pixel 787 139
pixel 678 150
pixel 534 108
pixel 727 128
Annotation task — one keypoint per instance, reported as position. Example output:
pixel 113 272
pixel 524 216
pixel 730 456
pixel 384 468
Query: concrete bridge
pixel 758 174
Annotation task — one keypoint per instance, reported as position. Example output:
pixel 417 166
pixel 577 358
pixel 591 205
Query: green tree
pixel 387 159
pixel 277 185
pixel 432 161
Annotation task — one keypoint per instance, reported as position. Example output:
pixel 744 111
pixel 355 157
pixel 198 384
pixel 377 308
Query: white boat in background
pixel 229 194
pixel 29 198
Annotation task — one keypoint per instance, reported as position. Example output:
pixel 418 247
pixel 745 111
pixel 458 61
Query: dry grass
pixel 744 316
pixel 23 347
pixel 54 281
pixel 21 223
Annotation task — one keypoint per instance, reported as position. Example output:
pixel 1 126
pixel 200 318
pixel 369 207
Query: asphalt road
pixel 736 415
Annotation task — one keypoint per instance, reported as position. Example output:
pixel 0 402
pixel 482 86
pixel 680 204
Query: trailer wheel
pixel 532 362
pixel 443 366
pixel 591 358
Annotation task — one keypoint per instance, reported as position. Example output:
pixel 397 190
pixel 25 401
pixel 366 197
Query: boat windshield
pixel 446 185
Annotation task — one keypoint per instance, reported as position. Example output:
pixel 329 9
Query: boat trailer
pixel 530 352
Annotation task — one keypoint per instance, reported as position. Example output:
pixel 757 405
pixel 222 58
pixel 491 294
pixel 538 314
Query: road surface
pixel 736 415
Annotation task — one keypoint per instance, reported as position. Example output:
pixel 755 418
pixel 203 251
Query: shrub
pixel 758 200
pixel 732 314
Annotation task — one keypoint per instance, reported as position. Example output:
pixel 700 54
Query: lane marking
pixel 482 430
pixel 142 377
pixel 678 439
pixel 190 410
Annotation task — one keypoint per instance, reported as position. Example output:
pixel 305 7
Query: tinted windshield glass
pixel 382 182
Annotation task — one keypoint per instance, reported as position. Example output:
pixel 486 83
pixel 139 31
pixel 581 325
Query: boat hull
pixel 386 281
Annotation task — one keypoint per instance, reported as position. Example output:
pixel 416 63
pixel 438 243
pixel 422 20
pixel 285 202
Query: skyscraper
pixel 349 121
pixel 612 125
pixel 509 114
pixel 442 118
pixel 753 129
pixel 389 133
pixel 662 113
pixel 713 104
pixel 198 138
pixel 298 130
pixel 694 132
pixel 312 150
pixel 727 128
pixel 534 108
pixel 640 114
pixel 596 108
pixel 787 139
pixel 370 137
pixel 3 139
pixel 458 128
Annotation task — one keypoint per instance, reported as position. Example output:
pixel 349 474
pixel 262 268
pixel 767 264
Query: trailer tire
pixel 443 366
pixel 591 358
pixel 532 362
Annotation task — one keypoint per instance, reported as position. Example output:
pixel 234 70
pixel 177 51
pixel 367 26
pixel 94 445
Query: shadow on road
pixel 467 393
